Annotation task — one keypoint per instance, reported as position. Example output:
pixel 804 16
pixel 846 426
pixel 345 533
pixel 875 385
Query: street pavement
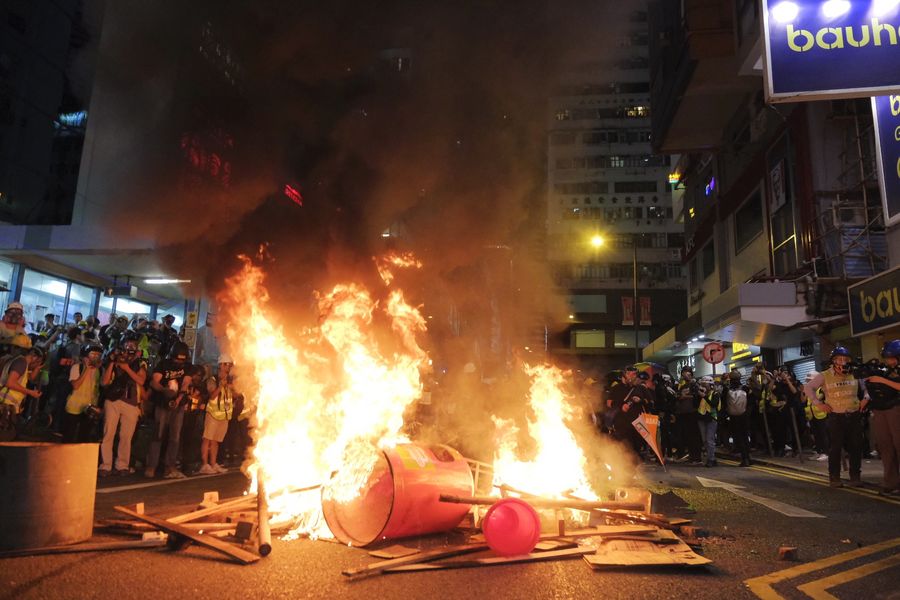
pixel 744 539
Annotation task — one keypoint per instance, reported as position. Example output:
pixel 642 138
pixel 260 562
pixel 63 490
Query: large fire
pixel 327 399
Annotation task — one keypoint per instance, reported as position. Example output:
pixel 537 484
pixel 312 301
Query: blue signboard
pixel 875 303
pixel 818 49
pixel 886 115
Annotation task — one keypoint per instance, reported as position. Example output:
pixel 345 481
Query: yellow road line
pixel 762 586
pixel 817 589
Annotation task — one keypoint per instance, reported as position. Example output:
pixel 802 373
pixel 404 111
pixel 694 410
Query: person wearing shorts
pixel 218 412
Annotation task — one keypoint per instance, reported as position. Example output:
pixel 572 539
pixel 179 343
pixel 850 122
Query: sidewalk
pixel 872 471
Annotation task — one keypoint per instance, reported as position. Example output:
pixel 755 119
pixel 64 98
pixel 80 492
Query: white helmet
pixel 224 358
pixel 706 380
pixel 811 375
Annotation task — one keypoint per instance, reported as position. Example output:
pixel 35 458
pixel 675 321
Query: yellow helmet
pixel 21 340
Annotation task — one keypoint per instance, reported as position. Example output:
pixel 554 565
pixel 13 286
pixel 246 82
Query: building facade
pixel 780 202
pixel 610 206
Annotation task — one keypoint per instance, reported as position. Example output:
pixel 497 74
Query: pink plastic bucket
pixel 511 527
pixel 401 498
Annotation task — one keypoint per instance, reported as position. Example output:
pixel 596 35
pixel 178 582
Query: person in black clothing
pixel 885 405
pixel 628 401
pixel 167 335
pixel 736 406
pixel 786 400
pixel 687 418
pixel 170 386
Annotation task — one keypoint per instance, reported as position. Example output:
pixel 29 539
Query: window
pixel 105 309
pixel 562 138
pixel 748 222
pixel 709 259
pixel 624 338
pixel 172 307
pixel 625 187
pixel 41 295
pixel 587 303
pixel 132 308
pixel 6 270
pixel 81 299
pixel 594 338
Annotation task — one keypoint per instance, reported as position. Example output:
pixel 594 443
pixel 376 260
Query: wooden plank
pixel 446 552
pixel 95 547
pixel 242 556
pixel 494 560
pixel 545 502
pixel 243 501
pixel 395 551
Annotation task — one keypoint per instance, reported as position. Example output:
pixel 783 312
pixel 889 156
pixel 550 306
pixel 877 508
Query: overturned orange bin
pixel 401 498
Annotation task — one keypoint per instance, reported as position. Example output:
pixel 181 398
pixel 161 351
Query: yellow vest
pixel 88 393
pixel 841 392
pixel 12 397
pixel 221 407
pixel 706 406
pixel 812 411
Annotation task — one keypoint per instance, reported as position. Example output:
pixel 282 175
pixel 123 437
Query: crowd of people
pixel 131 385
pixel 842 413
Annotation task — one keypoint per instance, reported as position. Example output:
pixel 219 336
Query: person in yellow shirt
pixel 844 402
pixel 219 411
pixel 82 406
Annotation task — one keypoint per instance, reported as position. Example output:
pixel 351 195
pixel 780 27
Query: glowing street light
pixel 596 241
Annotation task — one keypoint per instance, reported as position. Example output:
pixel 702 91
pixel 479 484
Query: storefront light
pixel 835 8
pixel 785 11
pixel 164 281
pixel 881 8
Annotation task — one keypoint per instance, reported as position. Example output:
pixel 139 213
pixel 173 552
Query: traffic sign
pixel 713 353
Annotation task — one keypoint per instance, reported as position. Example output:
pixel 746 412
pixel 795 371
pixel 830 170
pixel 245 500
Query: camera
pixel 864 370
pixel 93 412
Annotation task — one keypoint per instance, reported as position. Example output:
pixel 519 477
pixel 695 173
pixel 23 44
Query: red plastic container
pixel 401 498
pixel 511 527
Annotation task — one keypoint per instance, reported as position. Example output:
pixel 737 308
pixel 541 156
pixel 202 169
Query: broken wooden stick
pixel 263 533
pixel 242 556
pixel 379 567
pixel 494 560
pixel 243 501
pixel 95 547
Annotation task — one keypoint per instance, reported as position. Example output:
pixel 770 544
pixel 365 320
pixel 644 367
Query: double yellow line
pixel 815 479
pixel 762 586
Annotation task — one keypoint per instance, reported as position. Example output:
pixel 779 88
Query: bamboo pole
pixel 264 534
pixel 547 503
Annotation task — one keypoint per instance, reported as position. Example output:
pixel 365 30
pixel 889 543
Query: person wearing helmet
pixel 18 370
pixel 170 385
pixel 83 404
pixel 686 417
pixel 816 418
pixel 13 322
pixel 885 407
pixel 842 392
pixel 219 411
pixel 123 385
pixel 708 409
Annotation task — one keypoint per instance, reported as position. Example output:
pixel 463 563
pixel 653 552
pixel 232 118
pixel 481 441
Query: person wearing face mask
pixel 123 385
pixel 19 368
pixel 13 322
pixel 170 384
pixel 845 399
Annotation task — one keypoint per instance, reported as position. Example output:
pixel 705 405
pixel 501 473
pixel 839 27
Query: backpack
pixel 736 402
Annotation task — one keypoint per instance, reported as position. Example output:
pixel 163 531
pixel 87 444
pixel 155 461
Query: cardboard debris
pixel 634 553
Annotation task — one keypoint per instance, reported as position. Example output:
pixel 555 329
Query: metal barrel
pixel 46 493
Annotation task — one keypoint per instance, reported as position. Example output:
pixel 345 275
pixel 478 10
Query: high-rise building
pixel 609 205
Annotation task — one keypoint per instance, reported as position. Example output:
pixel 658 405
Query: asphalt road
pixel 745 537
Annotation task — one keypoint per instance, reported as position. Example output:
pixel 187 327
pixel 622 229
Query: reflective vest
pixel 812 411
pixel 13 397
pixel 710 404
pixel 221 407
pixel 841 392
pixel 88 393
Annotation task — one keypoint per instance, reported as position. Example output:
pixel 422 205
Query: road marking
pixel 809 478
pixel 762 586
pixel 140 486
pixel 777 506
pixel 817 589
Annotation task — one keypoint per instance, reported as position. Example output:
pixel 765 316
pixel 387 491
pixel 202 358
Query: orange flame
pixel 405 260
pixel 559 465
pixel 326 402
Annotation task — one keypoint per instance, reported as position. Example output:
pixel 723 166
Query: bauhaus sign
pixel 818 49
pixel 875 302
pixel 886 116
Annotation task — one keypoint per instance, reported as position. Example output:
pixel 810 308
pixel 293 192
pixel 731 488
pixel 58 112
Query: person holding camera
pixel 123 383
pixel 842 392
pixel 170 385
pixel 219 411
pixel 18 370
pixel 885 407
pixel 83 404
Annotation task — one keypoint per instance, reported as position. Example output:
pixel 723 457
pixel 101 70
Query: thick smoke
pixel 426 118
